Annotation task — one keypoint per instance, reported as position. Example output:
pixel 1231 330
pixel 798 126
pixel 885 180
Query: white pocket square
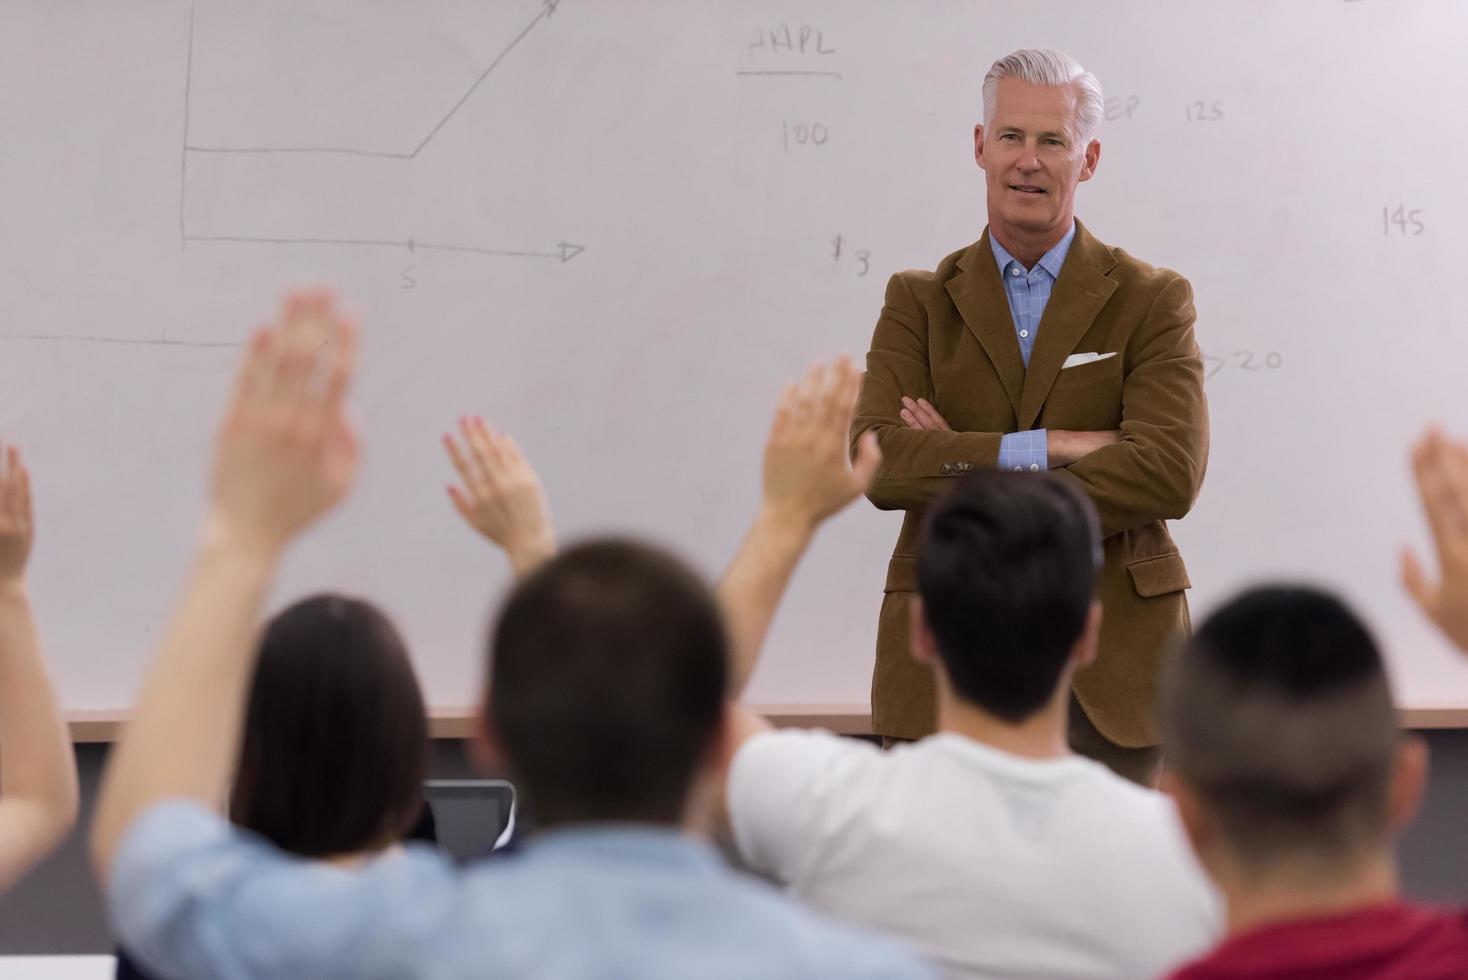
pixel 1088 358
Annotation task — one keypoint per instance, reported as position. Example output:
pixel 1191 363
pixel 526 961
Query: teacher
pixel 1039 347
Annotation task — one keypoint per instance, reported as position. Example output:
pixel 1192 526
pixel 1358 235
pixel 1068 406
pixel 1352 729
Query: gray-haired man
pixel 1038 347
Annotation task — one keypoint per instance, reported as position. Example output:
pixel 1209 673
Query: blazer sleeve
pixel 1156 470
pixel 916 465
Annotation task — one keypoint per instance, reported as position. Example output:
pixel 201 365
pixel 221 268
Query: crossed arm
pixel 1150 469
pixel 38 792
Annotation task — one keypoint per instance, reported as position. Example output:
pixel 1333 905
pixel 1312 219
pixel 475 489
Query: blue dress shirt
pixel 194 896
pixel 1028 291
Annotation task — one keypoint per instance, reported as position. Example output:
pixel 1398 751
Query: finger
pixel 911 420
pixel 299 335
pixel 481 454
pixel 461 503
pixel 490 445
pixel 1432 489
pixel 851 384
pixel 461 464
pixel 784 410
pixel 868 460
pixel 25 493
pixel 833 387
pixel 806 394
pixel 341 367
pixel 1414 580
pixel 258 366
pixel 935 419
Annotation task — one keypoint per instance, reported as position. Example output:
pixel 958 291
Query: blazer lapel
pixel 1077 297
pixel 979 298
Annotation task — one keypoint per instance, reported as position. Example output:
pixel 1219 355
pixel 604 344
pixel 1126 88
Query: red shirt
pixel 1387 942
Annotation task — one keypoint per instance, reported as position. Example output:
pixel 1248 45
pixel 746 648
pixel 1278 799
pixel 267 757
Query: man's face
pixel 1032 157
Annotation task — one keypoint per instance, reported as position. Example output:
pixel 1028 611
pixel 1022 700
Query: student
pixel 1294 777
pixel 335 742
pixel 38 794
pixel 989 847
pixel 606 688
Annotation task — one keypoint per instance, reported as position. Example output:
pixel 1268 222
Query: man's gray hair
pixel 1046 66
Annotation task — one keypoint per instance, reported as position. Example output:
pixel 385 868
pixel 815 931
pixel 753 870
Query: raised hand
pixel 807 476
pixel 286 452
pixel 1440 466
pixel 17 530
pixel 501 497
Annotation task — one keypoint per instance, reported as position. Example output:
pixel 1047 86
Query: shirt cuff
pixel 1025 451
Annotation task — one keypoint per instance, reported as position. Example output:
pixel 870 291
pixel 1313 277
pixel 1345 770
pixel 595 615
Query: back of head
pixel 335 745
pixel 1007 571
pixel 608 675
pixel 1046 66
pixel 1278 715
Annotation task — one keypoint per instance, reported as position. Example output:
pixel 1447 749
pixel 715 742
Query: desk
pixel 57 967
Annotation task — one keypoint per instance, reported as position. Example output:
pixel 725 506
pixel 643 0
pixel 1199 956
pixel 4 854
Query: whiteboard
pixel 616 228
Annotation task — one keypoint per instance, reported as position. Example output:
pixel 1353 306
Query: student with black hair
pixel 989 847
pixel 1294 778
pixel 335 744
pixel 38 793
pixel 608 675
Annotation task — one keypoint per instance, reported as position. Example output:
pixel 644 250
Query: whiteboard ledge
pixel 846 719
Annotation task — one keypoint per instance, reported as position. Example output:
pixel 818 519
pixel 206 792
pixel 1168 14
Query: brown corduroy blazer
pixel 948 336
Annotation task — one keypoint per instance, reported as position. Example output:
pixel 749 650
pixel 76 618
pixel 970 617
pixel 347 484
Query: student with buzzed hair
pixel 1294 777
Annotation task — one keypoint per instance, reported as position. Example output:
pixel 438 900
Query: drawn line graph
pixel 562 251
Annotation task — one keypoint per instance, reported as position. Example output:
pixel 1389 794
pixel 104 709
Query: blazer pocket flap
pixel 901 575
pixel 1159 575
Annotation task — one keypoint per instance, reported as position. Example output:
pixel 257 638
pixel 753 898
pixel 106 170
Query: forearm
pixel 38 786
pixel 917 466
pixel 1135 482
pixel 751 588
pixel 183 737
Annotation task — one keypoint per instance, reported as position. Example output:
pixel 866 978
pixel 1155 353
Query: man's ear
pixel 1093 158
pixel 921 645
pixel 486 751
pixel 979 146
pixel 1408 782
pixel 1083 653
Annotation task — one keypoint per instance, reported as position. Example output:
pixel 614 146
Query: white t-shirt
pixel 989 864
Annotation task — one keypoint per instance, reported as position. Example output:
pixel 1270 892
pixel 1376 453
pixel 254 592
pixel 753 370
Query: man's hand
pixel 502 497
pixel 17 530
pixel 1441 469
pixel 1066 447
pixel 806 474
pixel 286 453
pixel 920 414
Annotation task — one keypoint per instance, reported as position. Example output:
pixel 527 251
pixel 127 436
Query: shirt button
pixel 1019 469
pixel 1024 333
pixel 1034 467
pixel 1014 270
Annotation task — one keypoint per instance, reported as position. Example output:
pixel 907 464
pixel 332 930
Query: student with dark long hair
pixel 335 743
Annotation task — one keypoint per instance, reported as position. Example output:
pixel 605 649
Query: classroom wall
pixel 58 909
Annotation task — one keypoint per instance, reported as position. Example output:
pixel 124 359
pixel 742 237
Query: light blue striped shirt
pixel 1028 291
pixel 195 897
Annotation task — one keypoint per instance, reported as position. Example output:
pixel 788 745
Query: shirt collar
pixel 1051 261
pixel 642 844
